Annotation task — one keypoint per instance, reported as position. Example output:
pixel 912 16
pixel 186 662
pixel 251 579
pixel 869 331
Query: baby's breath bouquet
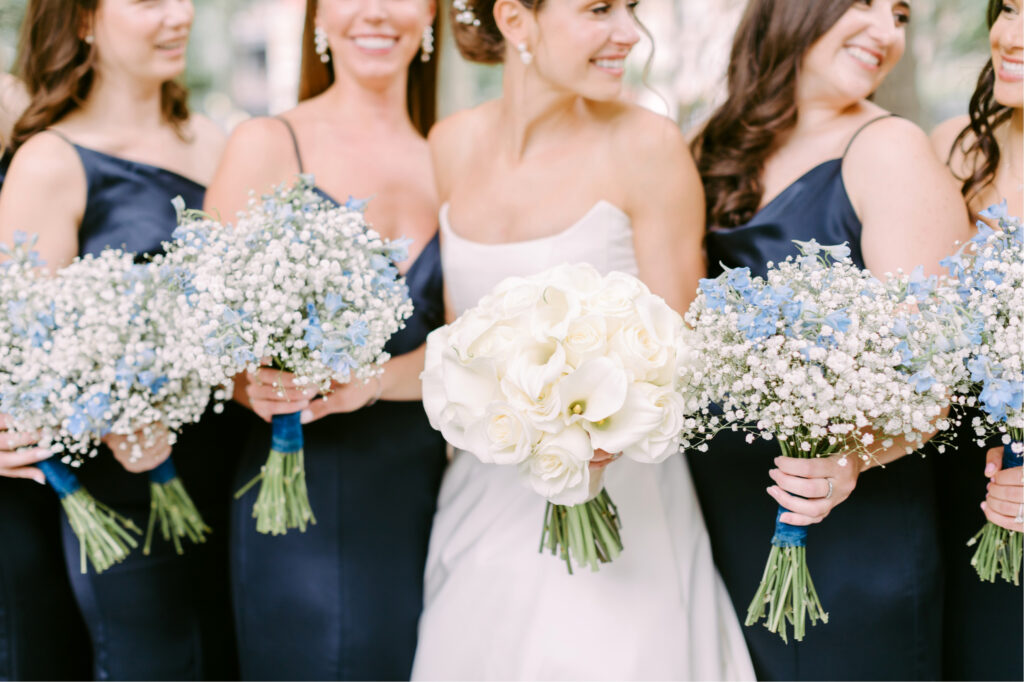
pixel 989 274
pixel 90 352
pixel 548 368
pixel 815 356
pixel 307 284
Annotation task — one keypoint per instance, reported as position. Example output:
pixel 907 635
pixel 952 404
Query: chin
pixel 1009 95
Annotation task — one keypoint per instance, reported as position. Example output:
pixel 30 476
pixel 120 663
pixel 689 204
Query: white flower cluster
pixel 91 351
pixel 295 279
pixel 989 286
pixel 820 354
pixel 548 368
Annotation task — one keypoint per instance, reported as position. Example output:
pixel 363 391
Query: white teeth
pixel 610 63
pixel 375 43
pixel 863 56
pixel 170 46
pixel 1013 68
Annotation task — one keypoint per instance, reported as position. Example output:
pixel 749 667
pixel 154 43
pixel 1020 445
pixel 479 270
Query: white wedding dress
pixel 497 609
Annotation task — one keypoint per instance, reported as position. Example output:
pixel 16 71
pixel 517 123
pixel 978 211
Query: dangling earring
pixel 524 55
pixel 427 44
pixel 320 44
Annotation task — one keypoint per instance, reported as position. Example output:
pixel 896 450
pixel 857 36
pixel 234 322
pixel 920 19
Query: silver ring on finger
pixel 831 489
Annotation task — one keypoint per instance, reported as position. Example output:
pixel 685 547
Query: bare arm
pixel 908 202
pixel 44 194
pixel 665 201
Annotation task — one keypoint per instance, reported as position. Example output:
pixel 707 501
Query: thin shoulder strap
pixel 859 130
pixel 295 140
pixel 60 135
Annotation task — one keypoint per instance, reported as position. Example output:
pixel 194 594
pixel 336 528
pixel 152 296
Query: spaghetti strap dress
pixel 342 600
pixel 162 616
pixel 875 559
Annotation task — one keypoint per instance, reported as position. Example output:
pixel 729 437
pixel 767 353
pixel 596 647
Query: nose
pixel 625 31
pixel 180 13
pixel 375 10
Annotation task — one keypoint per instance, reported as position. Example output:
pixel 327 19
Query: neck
pixel 813 115
pixel 124 104
pixel 1016 128
pixel 378 105
pixel 533 111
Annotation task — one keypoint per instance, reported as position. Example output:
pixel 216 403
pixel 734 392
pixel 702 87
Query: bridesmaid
pixel 105 144
pixel 36 603
pixel 984 623
pixel 798 151
pixel 342 600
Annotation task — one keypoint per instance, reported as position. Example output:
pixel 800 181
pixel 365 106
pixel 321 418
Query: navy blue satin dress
pixel 875 559
pixel 342 600
pixel 983 626
pixel 38 613
pixel 161 616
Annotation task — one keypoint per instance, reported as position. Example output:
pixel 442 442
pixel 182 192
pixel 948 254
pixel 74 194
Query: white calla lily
pixel 594 391
pixel 637 418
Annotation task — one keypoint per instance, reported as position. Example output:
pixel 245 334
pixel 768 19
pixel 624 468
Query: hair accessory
pixel 320 44
pixel 525 55
pixel 427 44
pixel 464 13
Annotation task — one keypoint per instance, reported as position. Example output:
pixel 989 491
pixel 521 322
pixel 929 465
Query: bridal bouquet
pixel 989 273
pixel 819 355
pixel 90 352
pixel 548 368
pixel 300 281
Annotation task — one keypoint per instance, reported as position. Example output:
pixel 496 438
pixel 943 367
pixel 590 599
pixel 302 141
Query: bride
pixel 558 169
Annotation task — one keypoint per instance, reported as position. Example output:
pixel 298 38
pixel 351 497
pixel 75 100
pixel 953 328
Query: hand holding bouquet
pixel 816 356
pixel 549 368
pixel 300 281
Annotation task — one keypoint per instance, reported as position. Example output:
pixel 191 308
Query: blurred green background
pixel 243 59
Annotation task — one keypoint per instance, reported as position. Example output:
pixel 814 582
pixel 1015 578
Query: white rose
pixel 513 296
pixel 587 338
pixel 503 435
pixel 616 295
pixel 558 469
pixel 664 439
pixel 582 278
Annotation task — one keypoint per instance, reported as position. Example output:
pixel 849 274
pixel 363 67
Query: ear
pixel 432 11
pixel 513 20
pixel 85 25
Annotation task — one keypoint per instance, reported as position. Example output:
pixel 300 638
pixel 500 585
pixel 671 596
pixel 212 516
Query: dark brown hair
pixel 57 67
pixel 421 87
pixel 771 40
pixel 982 152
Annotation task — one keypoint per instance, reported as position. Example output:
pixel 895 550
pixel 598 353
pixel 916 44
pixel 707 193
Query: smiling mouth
pixel 1013 69
pixel 863 56
pixel 375 42
pixel 176 45
pixel 616 64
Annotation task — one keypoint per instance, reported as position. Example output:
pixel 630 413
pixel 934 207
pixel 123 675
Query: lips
pixel 614 64
pixel 173 45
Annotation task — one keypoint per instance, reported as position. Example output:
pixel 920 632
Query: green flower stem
pixel 171 505
pixel 104 536
pixel 283 501
pixel 585 534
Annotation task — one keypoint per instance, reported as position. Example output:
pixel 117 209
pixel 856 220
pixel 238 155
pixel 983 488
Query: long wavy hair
pixel 421 86
pixel 58 68
pixel 731 150
pixel 978 140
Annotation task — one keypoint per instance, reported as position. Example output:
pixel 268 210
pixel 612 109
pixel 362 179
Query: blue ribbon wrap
pixel 60 477
pixel 1011 459
pixel 165 473
pixel 787 535
pixel 286 432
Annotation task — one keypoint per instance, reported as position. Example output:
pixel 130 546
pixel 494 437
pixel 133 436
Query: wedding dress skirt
pixel 497 608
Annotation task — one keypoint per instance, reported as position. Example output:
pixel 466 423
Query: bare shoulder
pixel 47 161
pixel 258 137
pixel 889 145
pixel 647 145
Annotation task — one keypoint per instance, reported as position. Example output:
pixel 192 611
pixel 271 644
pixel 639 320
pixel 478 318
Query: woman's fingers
pixel 19 458
pixel 1014 476
pixel 10 440
pixel 266 409
pixel 804 487
pixel 271 393
pixel 28 473
pixel 1004 520
pixel 1013 494
pixel 801 512
pixel 273 378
